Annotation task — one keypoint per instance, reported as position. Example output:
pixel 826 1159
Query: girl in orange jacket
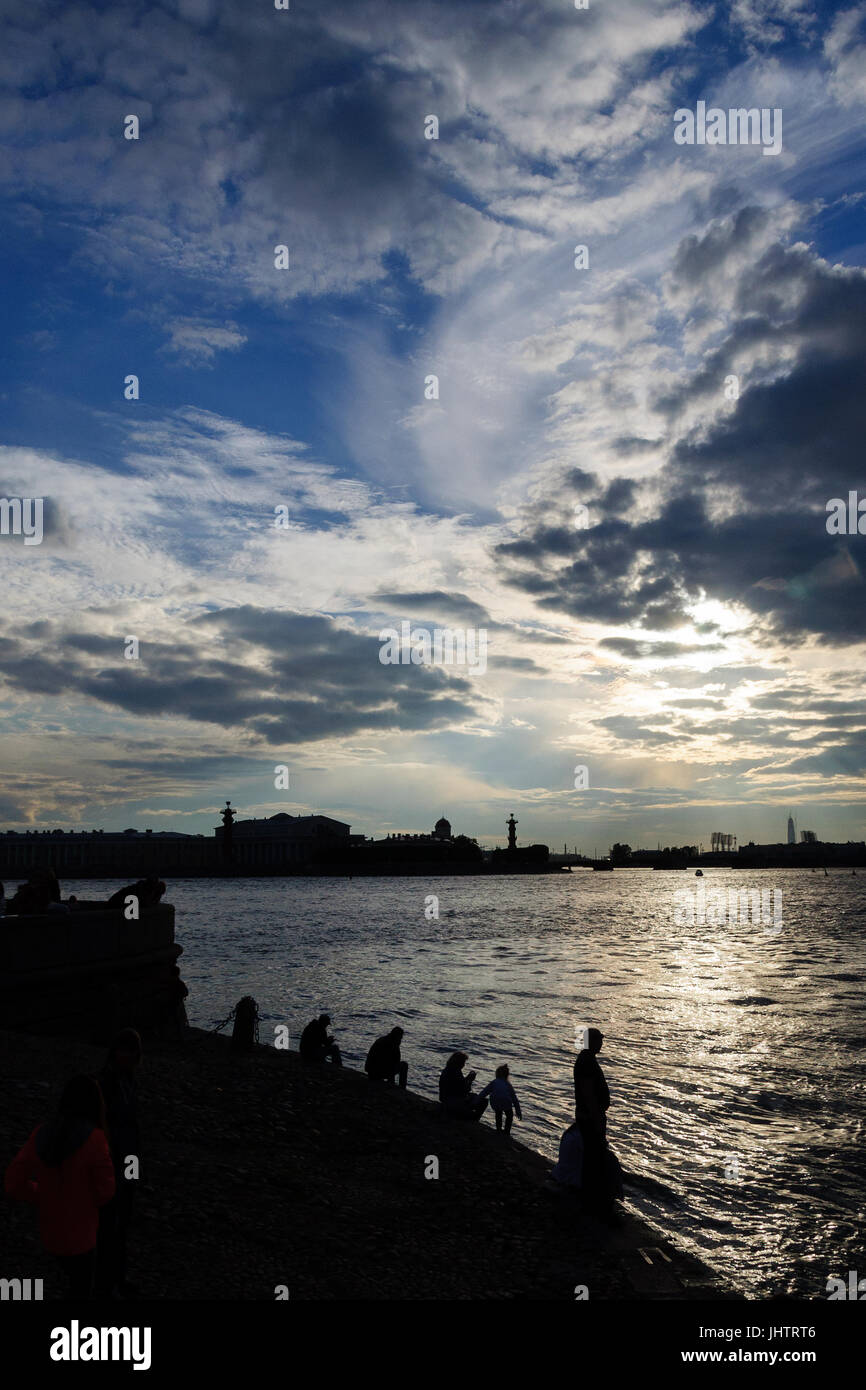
pixel 65 1170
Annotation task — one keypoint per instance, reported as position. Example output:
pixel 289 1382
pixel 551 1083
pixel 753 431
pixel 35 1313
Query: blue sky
pixel 698 646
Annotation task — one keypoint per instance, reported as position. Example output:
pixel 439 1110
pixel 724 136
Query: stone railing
pixel 89 972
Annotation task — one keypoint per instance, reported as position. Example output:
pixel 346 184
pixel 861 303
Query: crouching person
pixel 384 1062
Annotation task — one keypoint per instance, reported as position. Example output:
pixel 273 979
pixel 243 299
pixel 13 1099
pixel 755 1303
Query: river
pixel 734 1052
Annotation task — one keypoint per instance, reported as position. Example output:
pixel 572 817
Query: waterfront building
pixel 104 853
pixel 284 842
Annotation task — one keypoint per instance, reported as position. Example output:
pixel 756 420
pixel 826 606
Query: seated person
pixel 40 894
pixel 148 891
pixel 316 1045
pixel 455 1090
pixel 383 1060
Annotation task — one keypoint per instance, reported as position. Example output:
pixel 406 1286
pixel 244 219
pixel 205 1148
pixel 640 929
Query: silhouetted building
pixel 282 842
pixel 125 854
pixel 437 852
pixel 272 845
pixel 528 859
pixel 807 854
pixel 278 844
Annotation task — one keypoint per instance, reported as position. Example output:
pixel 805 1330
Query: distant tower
pixel 228 819
pixel 792 831
pixel 442 829
pixel 512 832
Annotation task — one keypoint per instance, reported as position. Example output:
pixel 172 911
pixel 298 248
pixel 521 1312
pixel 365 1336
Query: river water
pixel 734 1051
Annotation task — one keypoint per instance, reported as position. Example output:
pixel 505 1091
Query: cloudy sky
pixel 624 478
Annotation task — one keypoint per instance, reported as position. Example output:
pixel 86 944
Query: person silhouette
pixel 455 1090
pixel 503 1099
pixel 148 891
pixel 591 1104
pixel 316 1044
pixel 65 1171
pixel 384 1062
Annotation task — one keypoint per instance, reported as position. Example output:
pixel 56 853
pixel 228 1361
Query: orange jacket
pixel 68 1194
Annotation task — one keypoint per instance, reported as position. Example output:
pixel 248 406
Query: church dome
pixel 442 828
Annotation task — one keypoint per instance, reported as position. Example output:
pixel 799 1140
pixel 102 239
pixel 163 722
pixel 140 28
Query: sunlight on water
pixel 734 1053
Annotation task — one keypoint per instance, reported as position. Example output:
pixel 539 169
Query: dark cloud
pixel 698 258
pixel 634 649
pixel 788 445
pixel 280 677
pixel 523 665
pixel 462 608
pixel 632 730
pixel 454 605
pixel 846 758
pixel 629 446
pixel 698 702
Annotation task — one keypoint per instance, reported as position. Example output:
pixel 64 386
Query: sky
pixel 620 474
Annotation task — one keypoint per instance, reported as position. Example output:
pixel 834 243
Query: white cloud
pixel 198 341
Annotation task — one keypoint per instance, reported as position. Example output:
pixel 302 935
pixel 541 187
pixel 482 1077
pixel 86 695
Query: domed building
pixel 442 829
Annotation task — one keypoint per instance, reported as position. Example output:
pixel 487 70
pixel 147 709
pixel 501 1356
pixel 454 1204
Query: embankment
pixel 260 1172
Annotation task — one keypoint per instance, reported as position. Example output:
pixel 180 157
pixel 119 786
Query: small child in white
pixel 503 1099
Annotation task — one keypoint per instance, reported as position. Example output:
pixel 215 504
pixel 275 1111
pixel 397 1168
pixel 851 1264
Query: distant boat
pixel 603 867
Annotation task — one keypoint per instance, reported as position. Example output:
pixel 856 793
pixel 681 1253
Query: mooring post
pixel 246 1026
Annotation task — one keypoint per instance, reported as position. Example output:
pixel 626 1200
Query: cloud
pixel 845 51
pixel 656 651
pixel 198 341
pixel 280 678
pixel 739 512
pixel 629 729
pixel 705 556
pixel 449 605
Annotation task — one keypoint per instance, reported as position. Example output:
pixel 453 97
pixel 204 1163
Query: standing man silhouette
pixel 591 1104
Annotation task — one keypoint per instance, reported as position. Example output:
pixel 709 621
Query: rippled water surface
pixel 734 1053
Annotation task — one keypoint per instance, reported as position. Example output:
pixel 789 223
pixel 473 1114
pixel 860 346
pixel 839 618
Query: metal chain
pixel 229 1019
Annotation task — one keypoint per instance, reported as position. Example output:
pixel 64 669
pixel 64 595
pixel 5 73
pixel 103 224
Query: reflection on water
pixel 734 1053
